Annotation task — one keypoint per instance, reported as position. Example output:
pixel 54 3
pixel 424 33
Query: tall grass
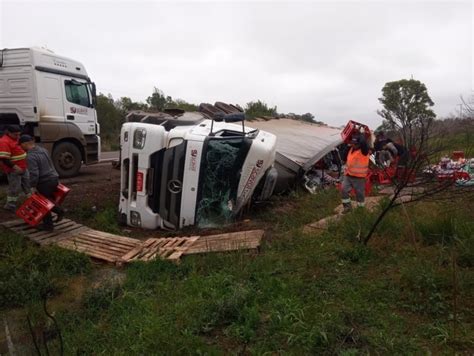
pixel 319 293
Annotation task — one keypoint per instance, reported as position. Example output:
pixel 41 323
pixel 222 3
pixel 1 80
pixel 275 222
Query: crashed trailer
pixel 300 145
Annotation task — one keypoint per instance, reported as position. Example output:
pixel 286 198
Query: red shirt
pixel 11 149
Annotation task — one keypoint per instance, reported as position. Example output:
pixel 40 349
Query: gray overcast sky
pixel 327 58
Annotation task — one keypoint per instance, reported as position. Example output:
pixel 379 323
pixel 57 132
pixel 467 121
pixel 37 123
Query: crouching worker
pixel 13 163
pixel 43 177
pixel 357 167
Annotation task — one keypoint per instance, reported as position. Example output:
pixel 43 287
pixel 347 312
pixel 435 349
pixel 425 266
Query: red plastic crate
pixel 461 175
pixel 34 209
pixel 60 194
pixel 351 128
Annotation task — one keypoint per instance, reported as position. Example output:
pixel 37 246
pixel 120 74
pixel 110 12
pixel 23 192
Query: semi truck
pixel 190 168
pixel 53 99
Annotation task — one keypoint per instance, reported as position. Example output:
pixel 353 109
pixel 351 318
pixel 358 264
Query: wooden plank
pixel 132 254
pixel 63 236
pixel 90 241
pixel 106 235
pixel 92 249
pixel 65 228
pixel 128 243
pixel 89 252
pixel 109 242
pixel 226 242
pixel 12 223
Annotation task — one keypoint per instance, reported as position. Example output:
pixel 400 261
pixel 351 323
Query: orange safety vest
pixel 357 164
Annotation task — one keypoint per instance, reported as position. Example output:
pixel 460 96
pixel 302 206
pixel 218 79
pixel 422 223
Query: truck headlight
pixel 135 218
pixel 139 137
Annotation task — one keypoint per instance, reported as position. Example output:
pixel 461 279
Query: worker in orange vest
pixel 13 163
pixel 357 168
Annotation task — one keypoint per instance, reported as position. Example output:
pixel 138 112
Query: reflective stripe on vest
pixel 357 164
pixel 18 157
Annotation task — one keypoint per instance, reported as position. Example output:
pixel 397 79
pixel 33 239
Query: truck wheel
pixel 67 159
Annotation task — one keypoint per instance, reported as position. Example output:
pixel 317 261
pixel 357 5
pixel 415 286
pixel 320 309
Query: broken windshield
pixel 221 168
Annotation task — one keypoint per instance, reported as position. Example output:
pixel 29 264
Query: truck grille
pixel 165 190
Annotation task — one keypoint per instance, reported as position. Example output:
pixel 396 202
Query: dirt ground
pixel 93 186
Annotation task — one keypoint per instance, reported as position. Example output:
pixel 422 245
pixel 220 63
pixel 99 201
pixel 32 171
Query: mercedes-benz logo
pixel 175 186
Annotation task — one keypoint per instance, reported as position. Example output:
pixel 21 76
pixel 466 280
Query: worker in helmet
pixel 357 167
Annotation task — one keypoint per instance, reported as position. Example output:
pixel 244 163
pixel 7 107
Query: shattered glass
pixel 220 174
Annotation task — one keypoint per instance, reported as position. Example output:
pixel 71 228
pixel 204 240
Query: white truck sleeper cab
pixel 193 174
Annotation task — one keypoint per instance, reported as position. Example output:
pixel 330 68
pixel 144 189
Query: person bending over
pixel 43 177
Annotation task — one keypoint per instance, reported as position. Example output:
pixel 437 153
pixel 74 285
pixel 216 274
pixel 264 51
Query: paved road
pixel 108 156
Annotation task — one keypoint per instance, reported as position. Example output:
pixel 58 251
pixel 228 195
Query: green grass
pixel 321 293
pixel 28 273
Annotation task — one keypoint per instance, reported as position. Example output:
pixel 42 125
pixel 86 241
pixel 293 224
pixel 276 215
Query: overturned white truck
pixel 186 168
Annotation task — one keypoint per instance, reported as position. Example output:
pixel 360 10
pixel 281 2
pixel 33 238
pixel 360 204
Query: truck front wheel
pixel 67 159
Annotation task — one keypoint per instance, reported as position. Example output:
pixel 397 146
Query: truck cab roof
pixel 42 59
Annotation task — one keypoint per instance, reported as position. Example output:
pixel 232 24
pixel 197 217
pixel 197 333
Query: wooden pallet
pixel 120 249
pixel 242 240
pixel 170 248
pixel 101 245
pixel 62 230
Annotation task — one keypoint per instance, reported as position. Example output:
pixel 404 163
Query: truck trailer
pixel 53 99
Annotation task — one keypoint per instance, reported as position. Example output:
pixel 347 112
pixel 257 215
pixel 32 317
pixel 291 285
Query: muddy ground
pixel 94 186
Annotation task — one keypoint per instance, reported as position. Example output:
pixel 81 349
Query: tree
pixel 181 104
pixel 259 108
pixel 406 106
pixel 125 104
pixel 308 117
pixel 157 101
pixel 110 119
pixel 407 110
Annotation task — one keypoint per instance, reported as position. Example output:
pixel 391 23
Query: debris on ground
pixel 456 168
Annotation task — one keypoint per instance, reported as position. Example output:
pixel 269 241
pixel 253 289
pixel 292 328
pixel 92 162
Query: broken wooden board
pixel 242 240
pixel 170 248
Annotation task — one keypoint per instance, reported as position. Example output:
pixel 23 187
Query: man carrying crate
pixel 43 177
pixel 357 167
pixel 13 163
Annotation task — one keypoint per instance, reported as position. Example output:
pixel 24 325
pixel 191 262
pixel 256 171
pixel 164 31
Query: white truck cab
pixel 53 99
pixel 192 170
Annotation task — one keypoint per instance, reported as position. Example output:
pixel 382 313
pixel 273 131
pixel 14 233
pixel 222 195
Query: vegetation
pixel 258 108
pixel 319 293
pixel 111 113
pixel 406 105
pixel 29 274
pixel 407 110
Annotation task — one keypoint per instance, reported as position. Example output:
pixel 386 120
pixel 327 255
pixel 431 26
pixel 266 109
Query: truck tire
pixel 67 159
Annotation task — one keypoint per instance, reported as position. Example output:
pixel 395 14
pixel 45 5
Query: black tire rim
pixel 66 160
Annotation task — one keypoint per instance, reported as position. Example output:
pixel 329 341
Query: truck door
pixel 78 106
